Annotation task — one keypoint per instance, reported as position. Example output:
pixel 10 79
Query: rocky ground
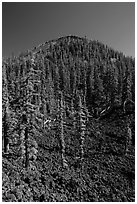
pixel 106 173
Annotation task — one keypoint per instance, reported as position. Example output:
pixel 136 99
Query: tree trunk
pixel 26 148
pixel 5 128
pixel 82 118
pixel 62 134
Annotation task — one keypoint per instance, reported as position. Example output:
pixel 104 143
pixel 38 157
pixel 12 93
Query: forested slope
pixel 68 110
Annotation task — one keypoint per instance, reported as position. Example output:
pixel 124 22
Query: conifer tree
pixel 82 124
pixel 62 131
pixel 5 130
pixel 27 114
pixel 5 110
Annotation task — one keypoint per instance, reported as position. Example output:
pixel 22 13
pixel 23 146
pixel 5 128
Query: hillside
pixel 69 123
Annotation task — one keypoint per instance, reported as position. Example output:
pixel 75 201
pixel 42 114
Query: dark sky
pixel 25 25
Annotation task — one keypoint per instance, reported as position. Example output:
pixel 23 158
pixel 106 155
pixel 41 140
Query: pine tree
pixel 62 131
pixel 22 136
pixel 5 131
pixel 27 113
pixel 82 123
pixel 5 111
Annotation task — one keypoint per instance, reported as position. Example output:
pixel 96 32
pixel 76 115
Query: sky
pixel 28 24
